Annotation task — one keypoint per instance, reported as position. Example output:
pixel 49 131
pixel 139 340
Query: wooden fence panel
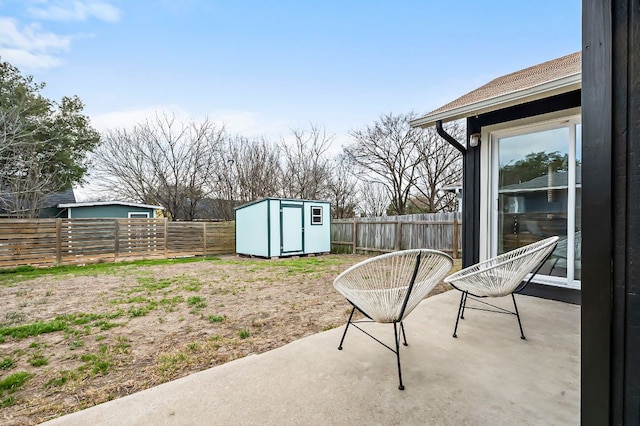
pixel 140 238
pixel 86 241
pixel 28 242
pixel 45 242
pixel 220 238
pixel 439 231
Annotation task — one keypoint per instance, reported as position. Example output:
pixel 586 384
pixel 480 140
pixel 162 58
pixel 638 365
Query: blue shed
pixel 278 227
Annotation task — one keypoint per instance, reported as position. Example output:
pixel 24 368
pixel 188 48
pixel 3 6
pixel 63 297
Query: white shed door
pixel 291 229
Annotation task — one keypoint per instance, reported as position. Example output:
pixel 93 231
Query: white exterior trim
pixel 138 213
pixel 109 203
pixel 545 90
pixel 488 165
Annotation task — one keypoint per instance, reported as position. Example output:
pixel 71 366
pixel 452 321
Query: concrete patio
pixel 488 375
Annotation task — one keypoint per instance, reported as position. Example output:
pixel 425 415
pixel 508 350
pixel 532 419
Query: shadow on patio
pixel 488 375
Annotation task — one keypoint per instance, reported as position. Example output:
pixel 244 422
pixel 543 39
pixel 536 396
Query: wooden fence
pixel 45 242
pixel 439 231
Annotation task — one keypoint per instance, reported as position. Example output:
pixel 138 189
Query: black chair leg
pixel 395 332
pixel 346 328
pixel 462 301
pixel 518 315
pixel 464 304
pixel 404 336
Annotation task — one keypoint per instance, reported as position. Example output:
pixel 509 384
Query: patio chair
pixel 500 276
pixel 386 288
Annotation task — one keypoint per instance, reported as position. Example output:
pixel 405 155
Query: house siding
pixel 108 211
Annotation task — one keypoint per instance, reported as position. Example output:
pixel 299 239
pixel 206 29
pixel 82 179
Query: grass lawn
pixel 73 337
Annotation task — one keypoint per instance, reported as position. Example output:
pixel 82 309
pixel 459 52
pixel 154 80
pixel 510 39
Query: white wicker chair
pixel 387 288
pixel 500 276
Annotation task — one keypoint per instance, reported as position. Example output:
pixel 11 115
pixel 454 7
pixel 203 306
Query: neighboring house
pixel 109 209
pixel 512 194
pixel 48 207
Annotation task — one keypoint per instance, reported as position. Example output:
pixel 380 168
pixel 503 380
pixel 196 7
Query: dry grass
pixel 79 338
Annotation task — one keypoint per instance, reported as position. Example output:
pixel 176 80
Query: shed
pixel 110 209
pixel 277 227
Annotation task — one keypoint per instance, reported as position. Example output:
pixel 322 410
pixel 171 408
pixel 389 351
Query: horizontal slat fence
pixel 45 242
pixel 439 231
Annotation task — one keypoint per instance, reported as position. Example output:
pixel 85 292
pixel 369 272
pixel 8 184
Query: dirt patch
pixel 80 340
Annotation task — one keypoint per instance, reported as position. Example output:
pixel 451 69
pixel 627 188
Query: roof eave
pixel 550 88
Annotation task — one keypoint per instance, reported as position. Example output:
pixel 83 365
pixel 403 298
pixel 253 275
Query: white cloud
pixel 128 118
pixel 76 11
pixel 245 123
pixel 22 58
pixel 29 45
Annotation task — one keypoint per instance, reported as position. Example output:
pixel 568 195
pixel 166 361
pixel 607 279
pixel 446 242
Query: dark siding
pixel 611 214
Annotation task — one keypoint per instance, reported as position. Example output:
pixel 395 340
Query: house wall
pixel 108 211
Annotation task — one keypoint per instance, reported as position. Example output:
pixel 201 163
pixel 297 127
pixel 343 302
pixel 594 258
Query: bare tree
pixel 305 165
pixel 440 165
pixel 248 169
pixel 342 190
pixel 387 153
pixel 161 161
pixel 374 199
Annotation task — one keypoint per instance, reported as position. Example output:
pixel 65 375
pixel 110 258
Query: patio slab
pixel 488 375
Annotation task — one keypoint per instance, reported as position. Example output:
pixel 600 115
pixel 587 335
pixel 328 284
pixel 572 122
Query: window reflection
pixel 533 180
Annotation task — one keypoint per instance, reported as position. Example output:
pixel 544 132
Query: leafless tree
pixel 440 165
pixel 161 161
pixel 374 199
pixel 246 170
pixel 387 153
pixel 342 190
pixel 305 165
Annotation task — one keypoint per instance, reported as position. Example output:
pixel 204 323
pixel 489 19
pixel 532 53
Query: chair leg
pixel 404 336
pixel 346 328
pixel 395 332
pixel 462 301
pixel 464 304
pixel 518 315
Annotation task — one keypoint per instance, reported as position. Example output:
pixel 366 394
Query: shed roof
pixel 549 78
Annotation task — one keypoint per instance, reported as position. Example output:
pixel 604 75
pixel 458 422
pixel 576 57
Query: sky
pixel 264 67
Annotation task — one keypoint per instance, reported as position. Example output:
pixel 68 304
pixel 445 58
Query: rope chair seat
pixel 388 287
pixel 502 275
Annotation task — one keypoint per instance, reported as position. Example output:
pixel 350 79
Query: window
pixel 537 193
pixel 316 215
pixel 138 215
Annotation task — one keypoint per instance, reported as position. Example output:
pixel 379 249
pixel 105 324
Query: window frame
pixel 316 215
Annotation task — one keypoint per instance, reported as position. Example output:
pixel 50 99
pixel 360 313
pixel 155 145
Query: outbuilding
pixel 279 227
pixel 110 209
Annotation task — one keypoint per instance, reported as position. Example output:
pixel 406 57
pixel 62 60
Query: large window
pixel 537 189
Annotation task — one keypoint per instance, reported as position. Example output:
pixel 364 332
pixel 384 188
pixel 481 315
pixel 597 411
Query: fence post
pixel 58 241
pixel 455 236
pixel 116 243
pixel 355 234
pixel 204 239
pixel 398 244
pixel 166 237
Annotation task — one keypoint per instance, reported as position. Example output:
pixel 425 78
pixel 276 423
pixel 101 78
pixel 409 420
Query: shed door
pixel 291 224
